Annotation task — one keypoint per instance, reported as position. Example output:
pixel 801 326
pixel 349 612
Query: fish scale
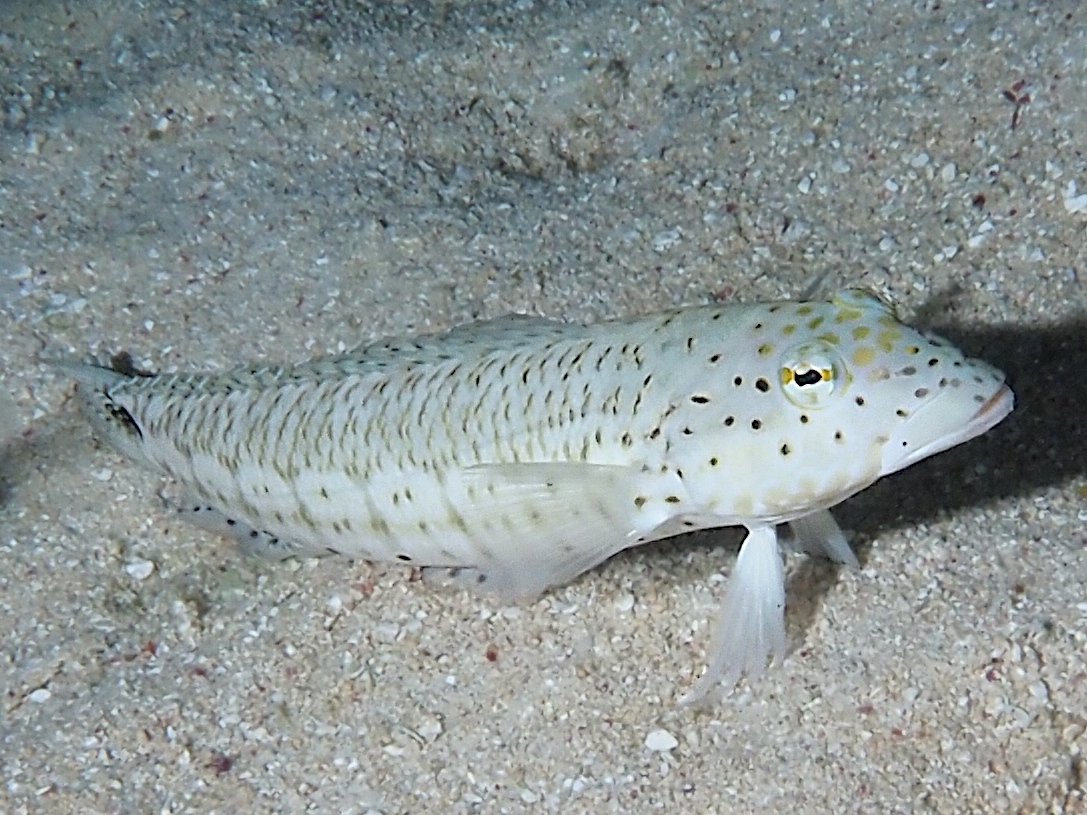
pixel 515 454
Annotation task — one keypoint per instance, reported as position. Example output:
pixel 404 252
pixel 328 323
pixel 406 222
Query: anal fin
pixel 251 540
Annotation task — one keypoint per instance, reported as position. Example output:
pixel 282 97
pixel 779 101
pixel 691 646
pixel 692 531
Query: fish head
pixel 844 393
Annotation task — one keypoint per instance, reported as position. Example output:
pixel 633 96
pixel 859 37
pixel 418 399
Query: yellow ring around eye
pixel 811 373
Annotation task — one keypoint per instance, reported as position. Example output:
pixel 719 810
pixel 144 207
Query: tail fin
pixel 109 417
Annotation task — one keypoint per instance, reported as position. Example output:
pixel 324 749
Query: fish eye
pixel 810 374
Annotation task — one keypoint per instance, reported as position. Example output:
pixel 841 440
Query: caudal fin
pixel 109 417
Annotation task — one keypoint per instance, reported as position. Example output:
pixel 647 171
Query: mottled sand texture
pixel 202 183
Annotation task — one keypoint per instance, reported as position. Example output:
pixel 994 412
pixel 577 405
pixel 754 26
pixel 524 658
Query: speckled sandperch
pixel 518 453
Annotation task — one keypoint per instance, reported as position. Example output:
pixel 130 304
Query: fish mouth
pixel 1000 404
pixel 994 409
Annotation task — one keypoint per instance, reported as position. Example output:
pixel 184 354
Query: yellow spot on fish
pixel 847 315
pixel 766 348
pixel 830 337
pixel 861 331
pixel 788 329
pixel 803 310
pixel 864 355
pixel 887 339
pixel 815 322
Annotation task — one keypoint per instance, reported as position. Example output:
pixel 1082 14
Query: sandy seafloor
pixel 203 183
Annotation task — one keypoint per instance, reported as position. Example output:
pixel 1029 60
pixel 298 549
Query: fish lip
pixel 990 414
pixel 996 407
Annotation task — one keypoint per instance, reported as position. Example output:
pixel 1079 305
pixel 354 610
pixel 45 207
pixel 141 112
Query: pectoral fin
pixel 552 522
pixel 819 532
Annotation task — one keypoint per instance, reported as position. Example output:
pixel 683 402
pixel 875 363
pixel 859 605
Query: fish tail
pixel 111 420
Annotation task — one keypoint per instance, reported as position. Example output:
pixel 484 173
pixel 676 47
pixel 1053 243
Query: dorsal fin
pixel 469 340
pixel 502 332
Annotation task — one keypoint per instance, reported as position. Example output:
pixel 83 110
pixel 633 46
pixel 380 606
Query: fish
pixel 513 455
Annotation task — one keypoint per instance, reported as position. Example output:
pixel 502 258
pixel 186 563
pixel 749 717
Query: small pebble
pixel 1072 201
pixel 140 569
pixel 666 240
pixel 40 695
pixel 661 741
pixel 430 728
